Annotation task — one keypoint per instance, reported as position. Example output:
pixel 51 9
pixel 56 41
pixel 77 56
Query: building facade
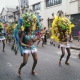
pixel 7 15
pixel 48 8
pixel 0 16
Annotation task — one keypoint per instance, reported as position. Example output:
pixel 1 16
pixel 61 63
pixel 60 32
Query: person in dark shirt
pixel 45 35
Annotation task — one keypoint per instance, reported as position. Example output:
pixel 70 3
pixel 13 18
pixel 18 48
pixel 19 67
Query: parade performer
pixel 2 35
pixel 25 39
pixel 63 27
pixel 8 33
pixel 41 37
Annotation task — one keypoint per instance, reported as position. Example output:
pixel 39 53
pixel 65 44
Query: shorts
pixel 42 37
pixel 29 51
pixel 2 38
pixel 65 45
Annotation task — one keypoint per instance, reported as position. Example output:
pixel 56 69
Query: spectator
pixel 45 35
pixel 78 36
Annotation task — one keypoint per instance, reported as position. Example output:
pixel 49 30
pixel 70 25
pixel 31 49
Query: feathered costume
pixel 63 23
pixel 27 20
pixel 2 32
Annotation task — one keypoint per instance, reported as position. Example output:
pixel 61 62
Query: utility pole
pixel 20 7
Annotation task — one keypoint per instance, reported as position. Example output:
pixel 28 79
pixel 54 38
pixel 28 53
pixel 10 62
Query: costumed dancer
pixel 64 26
pixel 9 32
pixel 78 36
pixel 2 35
pixel 14 27
pixel 41 37
pixel 26 41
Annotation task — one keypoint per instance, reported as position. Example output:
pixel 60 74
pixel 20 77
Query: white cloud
pixel 8 3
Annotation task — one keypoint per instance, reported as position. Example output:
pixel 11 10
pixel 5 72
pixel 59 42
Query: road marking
pixel 9 64
pixel 72 52
pixel 74 57
pixel 59 52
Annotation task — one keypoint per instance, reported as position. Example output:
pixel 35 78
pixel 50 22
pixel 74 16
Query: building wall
pixel 4 14
pixel 31 2
pixel 10 16
pixel 0 16
pixel 9 13
pixel 72 7
pixel 10 19
pixel 53 9
pixel 67 6
pixel 16 15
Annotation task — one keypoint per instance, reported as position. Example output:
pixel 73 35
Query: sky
pixel 8 3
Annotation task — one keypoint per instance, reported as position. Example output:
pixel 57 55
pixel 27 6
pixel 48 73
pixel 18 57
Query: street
pixel 47 67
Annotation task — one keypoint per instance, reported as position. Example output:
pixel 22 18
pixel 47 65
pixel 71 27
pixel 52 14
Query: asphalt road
pixel 47 67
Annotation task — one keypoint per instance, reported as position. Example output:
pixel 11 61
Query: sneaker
pixel 67 63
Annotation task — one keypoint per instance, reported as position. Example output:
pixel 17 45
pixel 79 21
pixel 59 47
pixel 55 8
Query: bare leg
pixel 35 63
pixel 38 43
pixel 25 59
pixel 42 42
pixel 3 45
pixel 68 56
pixel 63 53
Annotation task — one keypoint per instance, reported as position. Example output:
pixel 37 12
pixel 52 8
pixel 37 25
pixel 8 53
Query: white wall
pixel 73 7
pixel 11 19
pixel 31 2
pixel 4 12
pixel 10 13
pixel 0 16
pixel 16 17
pixel 66 6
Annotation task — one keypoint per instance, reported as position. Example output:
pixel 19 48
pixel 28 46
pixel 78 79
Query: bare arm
pixel 34 39
pixel 22 35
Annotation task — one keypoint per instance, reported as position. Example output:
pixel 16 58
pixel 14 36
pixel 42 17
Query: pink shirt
pixel 79 33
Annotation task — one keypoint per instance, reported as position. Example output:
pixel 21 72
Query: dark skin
pixel 63 39
pixel 28 44
pixel 40 40
pixel 3 40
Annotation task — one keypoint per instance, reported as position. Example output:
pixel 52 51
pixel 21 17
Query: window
pixel 50 22
pixel 73 0
pixel 36 6
pixel 10 17
pixel 52 2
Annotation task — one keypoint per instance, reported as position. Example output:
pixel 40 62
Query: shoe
pixel 42 46
pixel 19 72
pixel 79 55
pixel 67 63
pixel 53 44
pixel 3 50
pixel 58 46
pixel 34 73
pixel 59 63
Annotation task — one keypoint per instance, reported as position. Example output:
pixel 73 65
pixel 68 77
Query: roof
pixel 10 9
